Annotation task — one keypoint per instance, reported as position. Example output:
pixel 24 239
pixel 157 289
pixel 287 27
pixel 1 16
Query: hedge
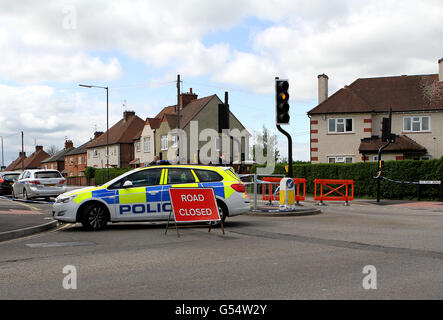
pixel 363 174
pixel 99 175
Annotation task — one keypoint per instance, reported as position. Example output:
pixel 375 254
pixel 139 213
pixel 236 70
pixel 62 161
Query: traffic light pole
pixel 389 137
pixel 379 169
pixel 290 172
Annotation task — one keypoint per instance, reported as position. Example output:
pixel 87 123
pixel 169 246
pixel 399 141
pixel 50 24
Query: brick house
pixel 121 143
pixel 76 161
pixel 57 161
pixel 17 162
pixel 31 162
pixel 155 138
pixel 346 127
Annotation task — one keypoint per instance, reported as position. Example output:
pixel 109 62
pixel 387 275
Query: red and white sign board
pixel 194 204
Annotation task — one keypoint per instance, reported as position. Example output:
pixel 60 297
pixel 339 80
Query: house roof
pixel 123 131
pixel 78 150
pixel 34 160
pixel 59 156
pixel 166 110
pixel 154 123
pixel 16 164
pixel 402 144
pixel 187 113
pixel 401 93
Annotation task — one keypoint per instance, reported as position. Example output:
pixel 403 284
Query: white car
pixel 39 184
pixel 143 195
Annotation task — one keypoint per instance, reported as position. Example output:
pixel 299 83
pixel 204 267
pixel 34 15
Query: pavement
pixel 20 218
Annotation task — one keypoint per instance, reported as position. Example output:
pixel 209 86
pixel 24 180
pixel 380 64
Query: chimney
pixel 128 114
pixel 37 148
pixel 322 87
pixel 186 98
pixel 68 144
pixel 97 134
pixel 440 69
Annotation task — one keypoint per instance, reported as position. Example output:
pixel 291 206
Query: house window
pixel 79 160
pixel 137 146
pixel 95 153
pixel 147 144
pixel 417 124
pixel 341 159
pixel 174 140
pixel 340 125
pixel 71 160
pixel 164 142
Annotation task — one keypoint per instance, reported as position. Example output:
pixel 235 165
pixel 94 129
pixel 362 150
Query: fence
pixel 79 181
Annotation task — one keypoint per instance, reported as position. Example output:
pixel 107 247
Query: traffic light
pixel 282 98
pixel 386 134
pixel 385 129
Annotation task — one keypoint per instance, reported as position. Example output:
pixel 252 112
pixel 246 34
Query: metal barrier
pixel 268 194
pixel 273 187
pixel 275 196
pixel 334 194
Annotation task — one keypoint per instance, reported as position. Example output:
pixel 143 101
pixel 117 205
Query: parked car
pixel 7 178
pixel 39 184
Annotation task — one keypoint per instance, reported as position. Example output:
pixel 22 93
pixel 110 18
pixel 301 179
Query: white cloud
pixel 46 116
pixel 343 39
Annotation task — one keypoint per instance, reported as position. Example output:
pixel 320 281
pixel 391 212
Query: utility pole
pixel 3 157
pixel 178 115
pixel 23 152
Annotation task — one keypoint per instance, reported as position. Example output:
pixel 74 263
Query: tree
pixel 52 149
pixel 267 140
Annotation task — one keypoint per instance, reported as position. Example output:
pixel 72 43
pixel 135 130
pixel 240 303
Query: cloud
pixel 47 115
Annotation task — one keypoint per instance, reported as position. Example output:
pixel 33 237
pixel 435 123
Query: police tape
pixel 397 181
pixel 261 182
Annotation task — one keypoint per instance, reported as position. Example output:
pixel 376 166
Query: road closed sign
pixel 194 204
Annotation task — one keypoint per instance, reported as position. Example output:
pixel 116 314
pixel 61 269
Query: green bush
pixel 100 174
pixel 363 174
pixel 89 173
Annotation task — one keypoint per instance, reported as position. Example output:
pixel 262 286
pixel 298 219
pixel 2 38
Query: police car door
pixel 140 198
pixel 176 178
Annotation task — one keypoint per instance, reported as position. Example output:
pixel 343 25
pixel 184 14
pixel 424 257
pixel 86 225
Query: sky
pixel 137 48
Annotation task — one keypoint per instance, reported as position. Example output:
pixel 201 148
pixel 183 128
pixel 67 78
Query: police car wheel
pixel 95 217
pixel 223 211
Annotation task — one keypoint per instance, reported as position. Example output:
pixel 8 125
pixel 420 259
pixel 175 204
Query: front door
pixel 142 200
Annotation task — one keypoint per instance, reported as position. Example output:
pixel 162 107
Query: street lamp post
pixel 107 124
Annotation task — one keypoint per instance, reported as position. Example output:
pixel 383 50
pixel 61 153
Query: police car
pixel 142 194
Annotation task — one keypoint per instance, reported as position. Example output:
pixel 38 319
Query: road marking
pixel 14 211
pixel 341 243
pixel 60 244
